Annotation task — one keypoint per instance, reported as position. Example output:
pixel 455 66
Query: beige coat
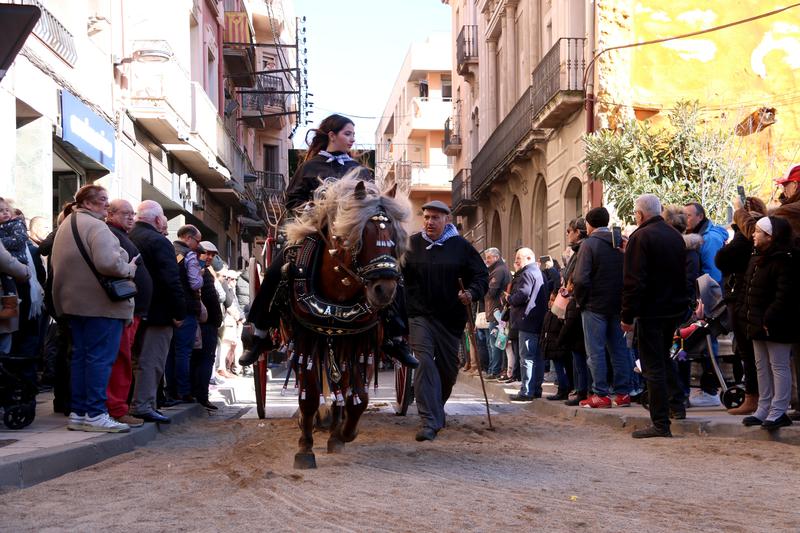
pixel 76 290
pixel 10 266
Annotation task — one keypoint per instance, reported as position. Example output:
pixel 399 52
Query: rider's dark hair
pixel 334 123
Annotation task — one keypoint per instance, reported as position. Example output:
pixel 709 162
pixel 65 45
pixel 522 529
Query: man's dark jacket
pixel 655 272
pixel 431 280
pixel 210 298
pixel 190 296
pixel 499 278
pixel 528 299
pixel 597 276
pixel 167 303
pixel 142 279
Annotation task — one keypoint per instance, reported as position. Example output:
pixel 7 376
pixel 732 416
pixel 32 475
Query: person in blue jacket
pixel 714 238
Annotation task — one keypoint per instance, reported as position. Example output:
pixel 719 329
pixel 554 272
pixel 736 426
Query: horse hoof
pixel 304 460
pixel 335 446
pixel 349 437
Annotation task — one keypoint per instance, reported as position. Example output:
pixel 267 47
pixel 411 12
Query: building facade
pixel 145 99
pixel 409 139
pixel 529 81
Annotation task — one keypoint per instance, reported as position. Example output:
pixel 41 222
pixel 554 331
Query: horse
pixel 342 268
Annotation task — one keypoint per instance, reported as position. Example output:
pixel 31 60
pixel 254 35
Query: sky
pixel 355 51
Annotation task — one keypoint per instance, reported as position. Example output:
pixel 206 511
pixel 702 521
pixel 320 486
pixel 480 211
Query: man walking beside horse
pixel 438 260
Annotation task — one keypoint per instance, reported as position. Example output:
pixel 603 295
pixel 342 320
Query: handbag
pixel 559 307
pixel 117 289
pixel 481 322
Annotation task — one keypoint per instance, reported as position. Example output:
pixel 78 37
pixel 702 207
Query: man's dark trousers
pixel 202 362
pixel 654 340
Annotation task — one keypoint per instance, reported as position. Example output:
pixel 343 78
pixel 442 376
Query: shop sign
pixel 89 133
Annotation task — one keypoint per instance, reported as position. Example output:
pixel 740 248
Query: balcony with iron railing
pixel 557 83
pixel 238 53
pixel 261 102
pixel 462 201
pixel 467 50
pixel 269 183
pixel 451 145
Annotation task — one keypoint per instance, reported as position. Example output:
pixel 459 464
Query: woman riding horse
pixel 341 270
pixel 336 134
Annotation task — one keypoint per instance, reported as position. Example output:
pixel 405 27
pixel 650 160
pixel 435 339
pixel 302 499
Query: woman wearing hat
pixel 770 303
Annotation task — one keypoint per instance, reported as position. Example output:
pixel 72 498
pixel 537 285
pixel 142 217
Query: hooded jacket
pixel 714 238
pixel 597 276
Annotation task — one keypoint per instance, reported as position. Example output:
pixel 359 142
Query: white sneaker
pixel 703 399
pixel 76 422
pixel 105 424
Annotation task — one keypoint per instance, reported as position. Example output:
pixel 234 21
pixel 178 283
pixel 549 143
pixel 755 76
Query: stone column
pixel 511 62
pixel 491 86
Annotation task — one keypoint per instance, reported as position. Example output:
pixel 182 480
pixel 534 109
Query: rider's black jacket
pixel 307 178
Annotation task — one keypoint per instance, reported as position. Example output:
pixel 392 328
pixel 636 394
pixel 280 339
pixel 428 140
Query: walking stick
pixel 474 344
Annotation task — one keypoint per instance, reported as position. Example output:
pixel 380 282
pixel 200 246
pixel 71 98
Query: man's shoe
pixel 152 416
pixel 595 401
pixel 575 398
pixel 491 377
pixel 76 422
pixel 425 434
pixel 677 414
pixel 132 421
pixel 208 405
pixel 103 423
pixel 521 398
pixel 780 422
pixel 794 415
pixel 650 432
pixel 400 351
pixel 752 421
pixel 704 399
pixel 188 398
pixel 252 353
pixel 621 400
pixel 169 402
pixel 558 396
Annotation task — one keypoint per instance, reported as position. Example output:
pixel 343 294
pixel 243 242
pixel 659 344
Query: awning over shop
pixel 203 166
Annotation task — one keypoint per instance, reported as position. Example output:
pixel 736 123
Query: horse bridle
pixel 362 274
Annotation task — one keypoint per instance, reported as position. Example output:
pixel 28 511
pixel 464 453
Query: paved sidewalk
pixel 710 421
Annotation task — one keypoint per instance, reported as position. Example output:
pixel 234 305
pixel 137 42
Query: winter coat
pixel 655 272
pixel 307 178
pixel 243 293
pixel 167 303
pixel 499 278
pixel 694 243
pixel 76 290
pixel 527 299
pixel 186 259
pixel 548 338
pixel 597 276
pixel 571 335
pixel 431 280
pixel 770 301
pixel 210 299
pixel 733 260
pixel 714 238
pixel 14 236
pixel 790 210
pixel 142 279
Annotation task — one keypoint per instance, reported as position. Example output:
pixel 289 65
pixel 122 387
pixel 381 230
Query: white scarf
pixel 341 158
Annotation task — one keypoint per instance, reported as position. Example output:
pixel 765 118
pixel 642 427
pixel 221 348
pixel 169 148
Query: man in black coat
pixel 167 310
pixel 437 259
pixel 654 301
pixel 201 364
pixel 597 281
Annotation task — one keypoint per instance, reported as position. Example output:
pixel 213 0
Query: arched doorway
pixel 573 199
pixel 515 227
pixel 497 233
pixel 540 217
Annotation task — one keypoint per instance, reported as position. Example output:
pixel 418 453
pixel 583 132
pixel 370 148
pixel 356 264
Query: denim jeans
pixel 580 372
pixel 482 339
pixel 95 341
pixel 495 353
pixel 603 332
pixel 531 364
pixel 178 374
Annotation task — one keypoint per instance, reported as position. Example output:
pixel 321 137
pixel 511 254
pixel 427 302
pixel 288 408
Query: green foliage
pixel 687 162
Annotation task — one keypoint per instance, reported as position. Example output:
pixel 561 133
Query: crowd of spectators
pixel 609 320
pixel 116 319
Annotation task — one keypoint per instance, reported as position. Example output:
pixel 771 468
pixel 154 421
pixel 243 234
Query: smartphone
pixel 544 259
pixel 742 196
pixel 616 236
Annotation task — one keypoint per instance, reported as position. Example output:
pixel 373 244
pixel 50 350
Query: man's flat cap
pixel 438 206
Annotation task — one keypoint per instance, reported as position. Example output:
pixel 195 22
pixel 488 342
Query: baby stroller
pixel 694 340
pixel 17 393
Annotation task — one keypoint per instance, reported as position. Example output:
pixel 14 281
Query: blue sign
pixel 89 133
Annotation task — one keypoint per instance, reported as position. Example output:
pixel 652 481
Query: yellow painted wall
pixel 732 72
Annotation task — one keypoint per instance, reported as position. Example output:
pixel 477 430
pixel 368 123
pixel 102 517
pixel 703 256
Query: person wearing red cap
pixel 790 198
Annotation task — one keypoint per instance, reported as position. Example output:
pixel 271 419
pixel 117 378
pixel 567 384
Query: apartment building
pixel 145 98
pixel 409 139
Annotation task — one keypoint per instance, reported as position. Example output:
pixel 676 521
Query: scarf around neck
pixel 339 158
pixel 449 231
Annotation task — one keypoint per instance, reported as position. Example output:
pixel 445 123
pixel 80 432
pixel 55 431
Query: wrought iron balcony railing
pixel 557 82
pixel 451 145
pixel 466 47
pixel 462 202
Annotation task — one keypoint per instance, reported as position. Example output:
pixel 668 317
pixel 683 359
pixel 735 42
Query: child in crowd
pixel 14 236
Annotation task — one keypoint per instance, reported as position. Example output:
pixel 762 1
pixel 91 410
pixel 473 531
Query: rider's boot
pixel 399 349
pixel 254 346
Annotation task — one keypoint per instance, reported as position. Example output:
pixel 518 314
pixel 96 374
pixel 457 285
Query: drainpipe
pixel 595 186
